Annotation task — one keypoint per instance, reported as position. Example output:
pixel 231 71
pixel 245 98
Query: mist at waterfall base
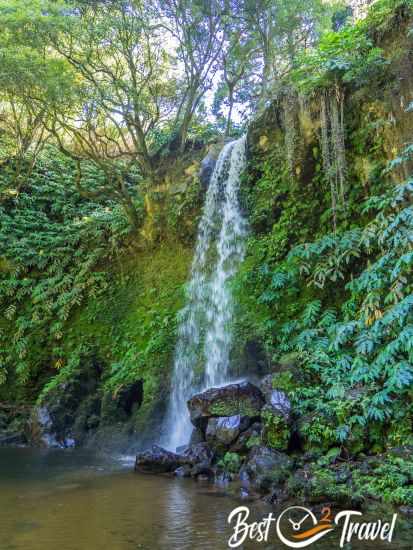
pixel 202 354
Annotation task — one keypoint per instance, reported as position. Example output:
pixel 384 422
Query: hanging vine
pixel 333 146
pixel 291 131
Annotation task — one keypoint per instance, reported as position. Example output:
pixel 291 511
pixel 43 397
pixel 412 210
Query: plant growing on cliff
pixel 364 348
pixel 53 245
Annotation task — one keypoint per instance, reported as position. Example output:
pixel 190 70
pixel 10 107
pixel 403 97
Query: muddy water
pixel 73 500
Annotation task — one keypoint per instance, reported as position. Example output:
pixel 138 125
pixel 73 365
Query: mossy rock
pixel 243 399
pixel 276 429
pixel 267 468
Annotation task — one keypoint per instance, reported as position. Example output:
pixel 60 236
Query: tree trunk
pixel 189 112
pixel 128 206
pixel 229 117
pixel 264 85
pixel 131 214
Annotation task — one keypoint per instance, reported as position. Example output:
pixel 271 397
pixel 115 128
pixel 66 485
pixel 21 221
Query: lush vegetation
pixel 106 110
pixel 339 305
pixel 103 106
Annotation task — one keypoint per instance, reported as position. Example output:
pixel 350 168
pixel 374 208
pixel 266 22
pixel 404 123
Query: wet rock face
pixel 276 399
pixel 243 399
pixel 159 461
pixel 129 396
pixel 47 435
pixel 120 405
pixel 62 419
pixel 207 168
pixel 77 412
pixel 266 468
pixel 223 431
pixel 279 401
pixel 196 437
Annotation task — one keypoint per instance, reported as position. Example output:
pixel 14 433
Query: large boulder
pixel 159 461
pixel 197 436
pixel 247 439
pixel 243 399
pixel 274 398
pixel 200 457
pixel 196 458
pixel 222 431
pixel 199 453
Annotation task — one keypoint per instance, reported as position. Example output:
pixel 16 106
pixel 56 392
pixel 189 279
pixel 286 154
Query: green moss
pixel 276 432
pixel 284 381
pixel 253 441
pixel 229 407
pixel 231 463
pixel 130 330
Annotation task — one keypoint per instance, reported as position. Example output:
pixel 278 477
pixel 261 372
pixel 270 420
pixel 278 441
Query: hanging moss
pixel 291 131
pixel 333 146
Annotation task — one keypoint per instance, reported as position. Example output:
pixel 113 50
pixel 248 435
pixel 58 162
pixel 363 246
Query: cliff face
pixel 377 121
pixel 302 150
pixel 329 209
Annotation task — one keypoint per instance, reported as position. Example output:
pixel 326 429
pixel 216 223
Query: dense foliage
pixel 106 111
pixel 55 245
pixel 337 298
pixel 363 348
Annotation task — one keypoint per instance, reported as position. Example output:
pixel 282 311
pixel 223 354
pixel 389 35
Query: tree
pixel 236 68
pixel 128 75
pixel 113 73
pixel 281 30
pixel 22 120
pixel 107 79
pixel 197 27
pixel 22 135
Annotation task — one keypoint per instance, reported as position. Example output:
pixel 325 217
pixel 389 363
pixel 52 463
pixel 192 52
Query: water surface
pixel 75 500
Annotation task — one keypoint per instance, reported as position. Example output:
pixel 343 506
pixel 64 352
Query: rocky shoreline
pixel 248 437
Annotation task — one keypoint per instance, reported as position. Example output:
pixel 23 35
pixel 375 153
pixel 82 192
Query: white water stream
pixel 204 335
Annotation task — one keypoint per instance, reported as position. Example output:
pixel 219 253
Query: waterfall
pixel 204 334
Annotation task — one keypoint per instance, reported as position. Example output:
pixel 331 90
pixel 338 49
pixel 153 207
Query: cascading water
pixel 204 335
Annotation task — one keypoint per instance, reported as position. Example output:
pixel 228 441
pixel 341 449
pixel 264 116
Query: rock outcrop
pixel 232 426
pixel 195 460
pixel 159 461
pixel 245 400
pixel 266 468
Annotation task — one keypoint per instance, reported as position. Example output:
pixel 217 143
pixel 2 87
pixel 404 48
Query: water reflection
pixel 70 500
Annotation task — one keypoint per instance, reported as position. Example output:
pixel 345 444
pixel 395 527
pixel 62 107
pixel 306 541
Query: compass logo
pixel 304 528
